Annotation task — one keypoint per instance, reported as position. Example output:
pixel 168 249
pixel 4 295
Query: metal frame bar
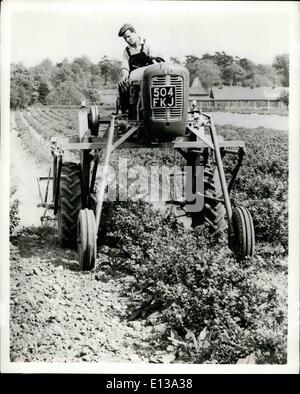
pixel 57 184
pixel 39 186
pixel 241 154
pixel 54 172
pixel 72 142
pixel 44 203
pixel 100 194
pixel 182 143
pixel 94 172
pixel 208 142
pixel 124 137
pixel 221 171
pixel 47 187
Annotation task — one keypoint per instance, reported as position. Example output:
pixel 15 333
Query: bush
pixel 262 183
pixel 215 306
pixel 22 87
pixel 14 218
pixel 67 92
pixel 284 96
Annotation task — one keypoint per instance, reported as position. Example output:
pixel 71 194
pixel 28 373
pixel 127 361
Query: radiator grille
pixel 169 113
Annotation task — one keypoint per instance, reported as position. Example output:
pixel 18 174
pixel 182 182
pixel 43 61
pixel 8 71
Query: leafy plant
pixel 196 284
pixel 14 218
pixel 262 183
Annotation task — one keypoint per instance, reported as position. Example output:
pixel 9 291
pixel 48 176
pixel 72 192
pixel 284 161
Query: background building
pixel 226 97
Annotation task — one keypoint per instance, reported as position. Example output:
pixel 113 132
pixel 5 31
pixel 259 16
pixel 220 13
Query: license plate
pixel 163 96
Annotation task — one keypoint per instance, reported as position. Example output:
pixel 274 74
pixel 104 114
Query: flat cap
pixel 125 27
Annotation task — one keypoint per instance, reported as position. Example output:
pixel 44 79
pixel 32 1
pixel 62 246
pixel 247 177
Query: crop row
pixel 55 124
pixel 45 116
pixel 36 149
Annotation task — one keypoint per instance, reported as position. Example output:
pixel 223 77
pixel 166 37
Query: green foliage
pixel 92 95
pixel 217 309
pixel 191 64
pixel 63 83
pixel 67 92
pixel 257 81
pixel 44 69
pixel 14 218
pixel 284 96
pixel 221 59
pixel 281 64
pixel 208 73
pixel 238 71
pixel 268 76
pixel 62 73
pixel 247 65
pixel 23 88
pixel 38 151
pixel 84 63
pixel 258 111
pixel 43 91
pixel 233 74
pixel 197 286
pixel 43 88
pixel 262 182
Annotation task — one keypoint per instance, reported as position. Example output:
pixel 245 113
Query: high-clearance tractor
pixel 157 116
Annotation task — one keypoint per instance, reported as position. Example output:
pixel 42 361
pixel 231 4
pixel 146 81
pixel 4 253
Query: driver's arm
pixel 124 68
pixel 124 75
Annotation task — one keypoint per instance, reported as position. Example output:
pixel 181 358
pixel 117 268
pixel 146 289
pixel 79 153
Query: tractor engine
pixel 159 93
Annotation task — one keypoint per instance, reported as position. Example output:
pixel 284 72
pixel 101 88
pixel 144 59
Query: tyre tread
pixel 213 212
pixel 69 203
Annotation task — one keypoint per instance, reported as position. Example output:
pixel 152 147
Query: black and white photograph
pixel 149 193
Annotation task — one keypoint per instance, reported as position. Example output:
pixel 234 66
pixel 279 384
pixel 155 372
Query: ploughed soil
pixel 58 313
pixel 61 314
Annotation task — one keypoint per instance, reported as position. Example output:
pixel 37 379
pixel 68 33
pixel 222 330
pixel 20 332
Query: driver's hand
pixel 124 76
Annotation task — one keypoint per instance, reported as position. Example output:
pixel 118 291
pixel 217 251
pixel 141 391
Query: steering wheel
pixel 159 59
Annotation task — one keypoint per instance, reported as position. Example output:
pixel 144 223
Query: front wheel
pixel 93 120
pixel 242 239
pixel 86 240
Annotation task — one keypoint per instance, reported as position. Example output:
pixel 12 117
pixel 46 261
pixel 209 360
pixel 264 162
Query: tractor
pixel 157 116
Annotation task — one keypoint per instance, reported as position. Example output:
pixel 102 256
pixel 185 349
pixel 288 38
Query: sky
pixel 69 29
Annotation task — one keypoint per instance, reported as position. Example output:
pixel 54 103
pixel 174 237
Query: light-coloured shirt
pixel 133 51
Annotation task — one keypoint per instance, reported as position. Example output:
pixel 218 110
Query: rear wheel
pixel 213 212
pixel 242 241
pixel 69 203
pixel 86 240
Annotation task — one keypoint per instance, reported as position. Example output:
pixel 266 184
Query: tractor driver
pixel 136 54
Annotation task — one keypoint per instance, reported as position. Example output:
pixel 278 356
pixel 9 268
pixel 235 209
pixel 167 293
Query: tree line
pixel 233 70
pixel 71 82
pixel 61 83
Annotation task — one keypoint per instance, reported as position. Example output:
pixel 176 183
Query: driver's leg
pixel 123 88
